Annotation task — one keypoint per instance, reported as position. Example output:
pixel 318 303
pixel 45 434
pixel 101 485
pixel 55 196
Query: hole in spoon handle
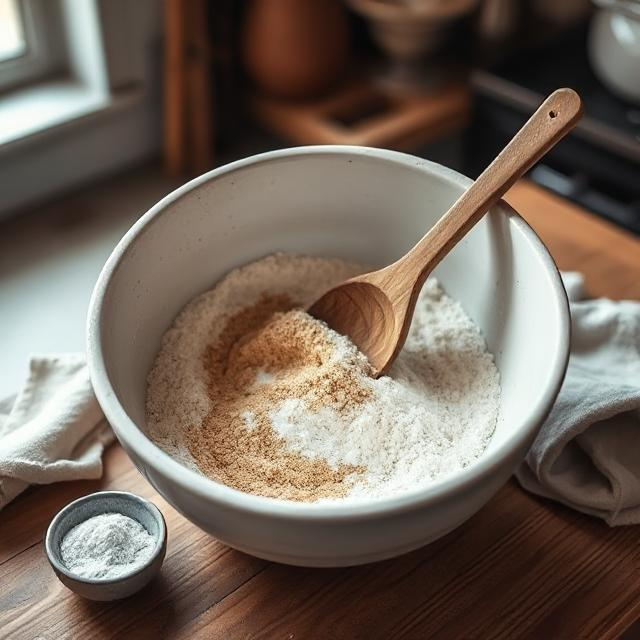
pixel 562 109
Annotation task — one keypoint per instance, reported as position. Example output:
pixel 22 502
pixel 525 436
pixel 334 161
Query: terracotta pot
pixel 295 48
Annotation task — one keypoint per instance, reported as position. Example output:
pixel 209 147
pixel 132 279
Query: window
pixel 78 92
pixel 32 43
pixel 53 69
pixel 12 37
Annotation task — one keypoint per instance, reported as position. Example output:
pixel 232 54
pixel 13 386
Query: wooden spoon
pixel 375 309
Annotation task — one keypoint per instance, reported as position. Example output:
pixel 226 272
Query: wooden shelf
pixel 360 114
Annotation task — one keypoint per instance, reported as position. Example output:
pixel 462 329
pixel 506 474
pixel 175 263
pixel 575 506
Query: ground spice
pixel 268 353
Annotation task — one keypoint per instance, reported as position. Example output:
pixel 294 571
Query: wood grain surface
pixel 174 86
pixel 520 568
pixel 188 103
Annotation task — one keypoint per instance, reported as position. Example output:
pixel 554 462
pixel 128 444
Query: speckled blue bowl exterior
pixel 128 504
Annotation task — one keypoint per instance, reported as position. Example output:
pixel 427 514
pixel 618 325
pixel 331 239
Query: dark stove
pixel 598 164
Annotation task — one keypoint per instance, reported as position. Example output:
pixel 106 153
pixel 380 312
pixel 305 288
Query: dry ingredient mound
pixel 106 546
pixel 264 356
pixel 251 391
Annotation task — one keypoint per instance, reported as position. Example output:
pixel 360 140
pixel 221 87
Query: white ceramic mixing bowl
pixel 363 204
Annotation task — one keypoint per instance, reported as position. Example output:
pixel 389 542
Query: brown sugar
pixel 236 443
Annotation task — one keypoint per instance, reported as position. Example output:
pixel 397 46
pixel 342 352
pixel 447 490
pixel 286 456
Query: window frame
pixel 46 54
pixel 113 66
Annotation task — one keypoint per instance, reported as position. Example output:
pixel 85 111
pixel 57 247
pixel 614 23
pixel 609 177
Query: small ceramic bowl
pixel 128 504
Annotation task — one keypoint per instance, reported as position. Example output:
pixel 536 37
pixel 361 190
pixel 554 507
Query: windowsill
pixel 31 113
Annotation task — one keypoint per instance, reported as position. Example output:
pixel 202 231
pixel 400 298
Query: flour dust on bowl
pixel 354 205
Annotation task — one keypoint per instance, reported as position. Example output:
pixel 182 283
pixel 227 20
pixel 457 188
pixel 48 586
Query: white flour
pixel 106 546
pixel 432 415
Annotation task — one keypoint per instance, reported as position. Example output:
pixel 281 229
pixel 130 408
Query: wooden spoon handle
pixel 557 115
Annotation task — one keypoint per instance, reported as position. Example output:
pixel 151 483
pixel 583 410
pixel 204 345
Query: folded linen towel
pixel 54 430
pixel 587 454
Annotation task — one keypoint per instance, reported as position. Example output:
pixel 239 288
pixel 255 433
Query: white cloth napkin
pixel 587 454
pixel 54 430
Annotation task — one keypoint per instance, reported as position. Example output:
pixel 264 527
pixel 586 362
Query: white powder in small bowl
pixel 433 415
pixel 106 546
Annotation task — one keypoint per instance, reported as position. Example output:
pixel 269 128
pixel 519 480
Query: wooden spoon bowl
pixel 364 312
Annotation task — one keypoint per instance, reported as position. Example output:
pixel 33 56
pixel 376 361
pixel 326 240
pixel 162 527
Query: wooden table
pixel 521 567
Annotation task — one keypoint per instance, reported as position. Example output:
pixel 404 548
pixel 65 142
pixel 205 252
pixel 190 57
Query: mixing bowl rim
pixel 133 437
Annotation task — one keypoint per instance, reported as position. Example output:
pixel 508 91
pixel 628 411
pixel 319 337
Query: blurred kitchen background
pixel 107 105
